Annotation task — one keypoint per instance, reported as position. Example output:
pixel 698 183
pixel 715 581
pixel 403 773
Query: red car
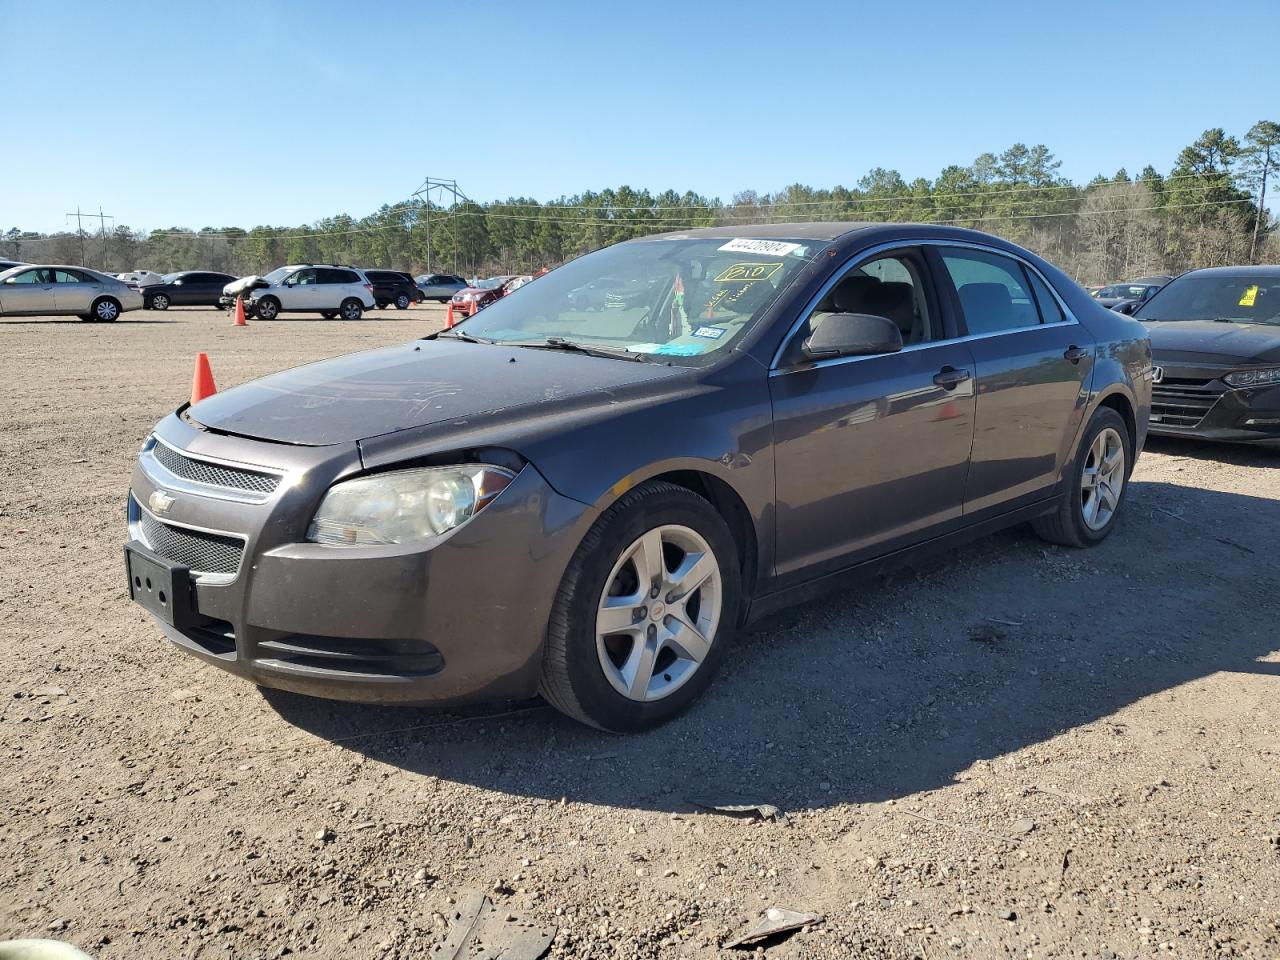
pixel 472 300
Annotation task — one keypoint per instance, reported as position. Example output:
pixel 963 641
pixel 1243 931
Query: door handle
pixel 1075 354
pixel 949 377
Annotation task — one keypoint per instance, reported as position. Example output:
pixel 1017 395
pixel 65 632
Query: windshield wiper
pixel 592 350
pixel 459 335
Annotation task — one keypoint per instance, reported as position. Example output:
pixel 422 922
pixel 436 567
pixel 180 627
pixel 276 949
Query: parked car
pixel 590 504
pixel 1215 341
pixel 482 294
pixel 190 288
pixel 56 290
pixel 1116 295
pixel 440 286
pixel 10 264
pixel 392 286
pixel 330 290
pixel 140 278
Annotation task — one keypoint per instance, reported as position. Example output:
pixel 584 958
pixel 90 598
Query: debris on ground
pixel 759 811
pixel 776 920
pixel 477 930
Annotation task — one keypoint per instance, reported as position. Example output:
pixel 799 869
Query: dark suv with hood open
pixel 588 501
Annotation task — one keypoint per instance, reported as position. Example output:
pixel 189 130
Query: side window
pixel 33 276
pixel 892 285
pixel 304 277
pixel 993 290
pixel 66 276
pixel 1050 312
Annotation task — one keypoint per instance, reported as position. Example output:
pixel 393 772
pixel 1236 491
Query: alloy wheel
pixel 159 302
pixel 659 612
pixel 1102 480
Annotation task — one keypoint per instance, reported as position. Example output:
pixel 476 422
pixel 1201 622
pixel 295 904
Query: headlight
pixel 406 506
pixel 1253 378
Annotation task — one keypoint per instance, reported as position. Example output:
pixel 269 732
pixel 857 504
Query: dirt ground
pixel 1014 750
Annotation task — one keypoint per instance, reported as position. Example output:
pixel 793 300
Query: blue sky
pixel 218 114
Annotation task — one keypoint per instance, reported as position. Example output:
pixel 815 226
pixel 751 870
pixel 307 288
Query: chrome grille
pixel 1182 402
pixel 213 474
pixel 200 551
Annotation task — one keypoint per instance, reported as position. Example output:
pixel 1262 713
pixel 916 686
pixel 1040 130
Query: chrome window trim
pixel 904 244
pixel 213 579
pixel 163 476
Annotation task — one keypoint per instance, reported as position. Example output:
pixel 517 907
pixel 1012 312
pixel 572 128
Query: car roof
pixel 773 231
pixel 1263 271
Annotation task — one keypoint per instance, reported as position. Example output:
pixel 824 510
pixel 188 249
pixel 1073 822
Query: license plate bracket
pixel 161 586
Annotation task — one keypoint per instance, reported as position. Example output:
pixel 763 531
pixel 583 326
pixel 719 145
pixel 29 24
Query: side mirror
pixel 852 335
pixel 1127 308
pixel 177 283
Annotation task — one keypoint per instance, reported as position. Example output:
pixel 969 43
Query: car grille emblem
pixel 1157 374
pixel 160 502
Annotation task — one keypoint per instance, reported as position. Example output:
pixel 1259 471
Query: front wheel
pixel 1096 484
pixel 351 309
pixel 644 612
pixel 268 308
pixel 402 302
pixel 106 309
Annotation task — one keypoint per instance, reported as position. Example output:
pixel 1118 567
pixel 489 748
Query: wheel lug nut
pixel 642 612
pixel 654 593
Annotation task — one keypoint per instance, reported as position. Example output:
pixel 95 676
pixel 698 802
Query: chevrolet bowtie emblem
pixel 160 502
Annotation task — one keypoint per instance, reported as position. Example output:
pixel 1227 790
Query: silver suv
pixel 329 289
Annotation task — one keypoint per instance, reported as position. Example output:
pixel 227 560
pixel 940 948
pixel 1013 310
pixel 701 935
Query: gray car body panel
pixel 787 448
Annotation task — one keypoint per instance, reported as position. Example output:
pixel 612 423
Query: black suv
pixel 392 286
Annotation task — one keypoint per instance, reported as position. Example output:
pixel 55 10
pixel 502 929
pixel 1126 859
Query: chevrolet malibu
pixel 1215 337
pixel 589 503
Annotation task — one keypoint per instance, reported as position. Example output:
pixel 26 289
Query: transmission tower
pixel 439 187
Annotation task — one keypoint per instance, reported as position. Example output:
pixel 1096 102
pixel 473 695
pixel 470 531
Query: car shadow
pixel 16 322
pixel 896 687
pixel 1239 454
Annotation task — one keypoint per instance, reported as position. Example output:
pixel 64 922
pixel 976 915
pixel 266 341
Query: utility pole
pixel 102 222
pixel 441 187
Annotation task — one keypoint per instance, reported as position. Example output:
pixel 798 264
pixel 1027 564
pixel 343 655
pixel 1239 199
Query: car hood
pixel 382 391
pixel 1214 341
pixel 244 285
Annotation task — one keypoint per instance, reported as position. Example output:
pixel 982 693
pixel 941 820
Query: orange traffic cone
pixel 202 384
pixel 474 309
pixel 448 316
pixel 240 321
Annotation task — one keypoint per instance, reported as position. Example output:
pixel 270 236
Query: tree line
pixel 1209 209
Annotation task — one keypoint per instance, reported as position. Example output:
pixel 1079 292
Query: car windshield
pixel 278 274
pixel 673 298
pixel 170 277
pixel 1242 299
pixel 1123 291
pixel 492 283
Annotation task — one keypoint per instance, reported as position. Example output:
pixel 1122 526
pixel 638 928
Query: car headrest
pixel 850 294
pixel 896 301
pixel 991 301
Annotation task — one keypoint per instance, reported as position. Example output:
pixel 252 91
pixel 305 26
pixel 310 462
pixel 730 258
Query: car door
pixel 1034 365
pixel 871 452
pixel 302 291
pixel 74 291
pixel 29 292
pixel 202 289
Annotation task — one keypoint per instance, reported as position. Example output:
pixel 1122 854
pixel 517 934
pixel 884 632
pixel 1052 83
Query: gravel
pixel 1010 750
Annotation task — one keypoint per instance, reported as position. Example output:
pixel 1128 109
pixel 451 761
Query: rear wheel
pixel 158 302
pixel 1096 484
pixel 402 302
pixel 351 309
pixel 105 309
pixel 644 613
pixel 268 308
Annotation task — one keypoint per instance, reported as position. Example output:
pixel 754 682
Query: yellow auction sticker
pixel 1250 295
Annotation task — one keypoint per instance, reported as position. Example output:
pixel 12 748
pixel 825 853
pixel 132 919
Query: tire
pixel 381 306
pixel 268 308
pixel 158 302
pixel 1083 518
pixel 105 310
pixel 584 667
pixel 328 314
pixel 351 309
pixel 403 301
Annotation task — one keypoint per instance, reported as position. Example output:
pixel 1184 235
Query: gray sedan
pixel 589 503
pixel 45 290
pixel 439 286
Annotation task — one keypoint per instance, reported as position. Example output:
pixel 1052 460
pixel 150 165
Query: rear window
pixel 380 276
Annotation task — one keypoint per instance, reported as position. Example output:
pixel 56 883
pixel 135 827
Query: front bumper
pixel 1193 401
pixel 461 620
